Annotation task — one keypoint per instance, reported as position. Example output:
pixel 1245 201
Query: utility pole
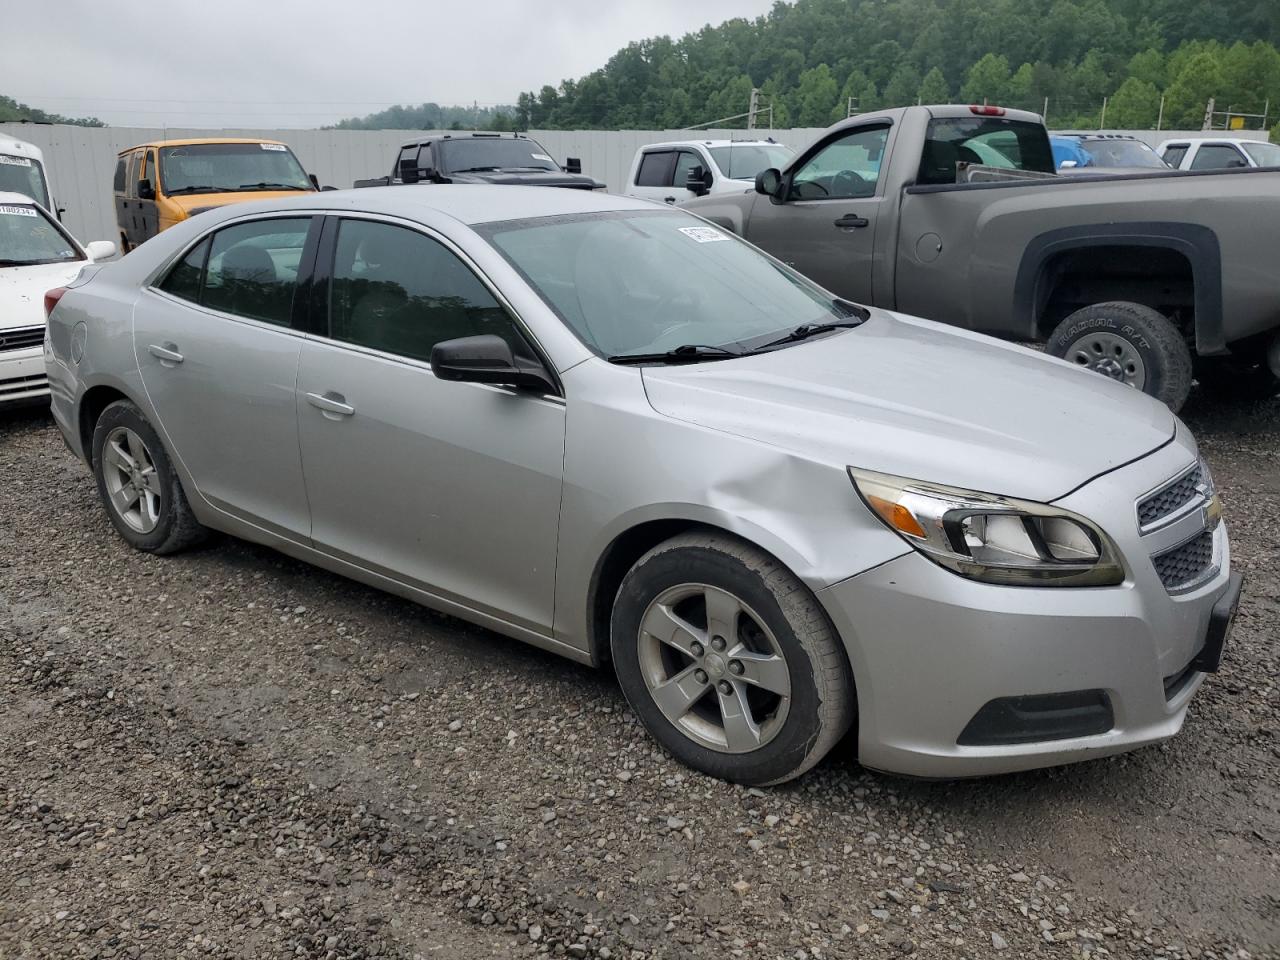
pixel 755 105
pixel 851 107
pixel 1044 115
pixel 1160 118
pixel 1102 121
pixel 1208 115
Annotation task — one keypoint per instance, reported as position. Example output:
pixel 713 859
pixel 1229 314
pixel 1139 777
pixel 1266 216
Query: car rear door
pixel 653 176
pixel 450 488
pixel 218 341
pixel 825 223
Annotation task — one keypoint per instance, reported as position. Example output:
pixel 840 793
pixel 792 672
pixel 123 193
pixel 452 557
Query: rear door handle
pixel 333 405
pixel 851 221
pixel 168 355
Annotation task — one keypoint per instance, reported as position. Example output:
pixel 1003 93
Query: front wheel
pixel 1130 343
pixel 729 661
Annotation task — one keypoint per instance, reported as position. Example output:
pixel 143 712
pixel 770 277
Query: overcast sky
pixel 286 63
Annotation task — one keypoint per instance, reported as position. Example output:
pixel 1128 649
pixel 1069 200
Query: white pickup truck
pixel 684 169
pixel 1218 153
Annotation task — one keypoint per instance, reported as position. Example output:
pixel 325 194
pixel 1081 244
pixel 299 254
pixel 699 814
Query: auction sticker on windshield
pixel 702 234
pixel 15 161
pixel 273 146
pixel 17 211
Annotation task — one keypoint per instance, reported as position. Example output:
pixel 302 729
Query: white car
pixel 1218 153
pixel 22 171
pixel 684 169
pixel 36 255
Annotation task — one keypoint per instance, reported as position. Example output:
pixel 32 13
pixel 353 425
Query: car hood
pixel 22 291
pixel 527 178
pixel 920 400
pixel 191 203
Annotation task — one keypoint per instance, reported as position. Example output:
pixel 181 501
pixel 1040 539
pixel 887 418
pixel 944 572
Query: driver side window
pixel 846 168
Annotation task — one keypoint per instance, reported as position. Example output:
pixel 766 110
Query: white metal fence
pixel 81 160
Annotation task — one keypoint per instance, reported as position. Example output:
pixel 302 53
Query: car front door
pixel 686 163
pixel 148 208
pixel 451 488
pixel 824 222
pixel 217 342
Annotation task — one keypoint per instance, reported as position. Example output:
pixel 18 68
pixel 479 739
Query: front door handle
pixel 668 199
pixel 168 354
pixel 851 221
pixel 332 404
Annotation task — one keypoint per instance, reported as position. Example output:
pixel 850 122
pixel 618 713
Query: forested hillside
pixel 11 109
pixel 432 116
pixel 811 56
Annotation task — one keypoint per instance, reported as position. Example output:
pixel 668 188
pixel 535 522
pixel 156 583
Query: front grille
pixel 1184 565
pixel 22 385
pixel 21 338
pixel 1171 498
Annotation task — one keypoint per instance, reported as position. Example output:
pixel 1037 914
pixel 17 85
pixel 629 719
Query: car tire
pixel 760 717
pixel 139 488
pixel 1130 343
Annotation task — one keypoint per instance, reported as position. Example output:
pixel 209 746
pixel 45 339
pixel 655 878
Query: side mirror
pixel 572 165
pixel 145 190
pixel 769 182
pixel 101 250
pixel 323 189
pixel 699 181
pixel 409 170
pixel 1066 164
pixel 486 359
pixel 315 181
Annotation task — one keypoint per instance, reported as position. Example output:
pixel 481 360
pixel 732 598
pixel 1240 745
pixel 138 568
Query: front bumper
pixel 930 649
pixel 22 375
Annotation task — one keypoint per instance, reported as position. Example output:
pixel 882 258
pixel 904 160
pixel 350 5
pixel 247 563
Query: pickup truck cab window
pixel 988 141
pixel 1218 156
pixel 845 168
pixel 1264 154
pixel 655 169
pixel 1174 153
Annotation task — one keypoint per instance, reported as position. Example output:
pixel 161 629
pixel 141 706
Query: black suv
pixel 499 158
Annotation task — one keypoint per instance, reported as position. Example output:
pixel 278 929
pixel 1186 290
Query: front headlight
pixel 991 538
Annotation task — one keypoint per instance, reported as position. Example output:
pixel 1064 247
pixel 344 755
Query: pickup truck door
pixel 823 222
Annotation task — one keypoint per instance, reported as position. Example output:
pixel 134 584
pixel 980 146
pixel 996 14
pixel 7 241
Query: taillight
pixel 982 110
pixel 51 300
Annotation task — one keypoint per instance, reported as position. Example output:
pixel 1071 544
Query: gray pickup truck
pixel 953 213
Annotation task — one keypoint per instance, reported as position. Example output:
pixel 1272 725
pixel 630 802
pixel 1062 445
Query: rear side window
pixel 655 169
pixel 1173 155
pixel 989 141
pixel 1217 156
pixel 252 269
pixel 184 278
pixel 400 292
pixel 117 185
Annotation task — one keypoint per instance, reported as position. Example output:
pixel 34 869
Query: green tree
pixel 934 88
pixel 1186 97
pixel 816 95
pixel 987 80
pixel 903 87
pixel 11 110
pixel 1134 106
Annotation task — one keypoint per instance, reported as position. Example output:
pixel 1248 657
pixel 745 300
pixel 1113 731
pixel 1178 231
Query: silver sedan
pixel 616 432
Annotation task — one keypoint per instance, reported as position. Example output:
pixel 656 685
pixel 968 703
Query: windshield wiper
pixel 181 190
pixel 685 353
pixel 476 170
pixel 807 330
pixel 273 186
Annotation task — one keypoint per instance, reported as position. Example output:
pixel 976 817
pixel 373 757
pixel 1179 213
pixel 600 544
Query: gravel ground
pixel 228 753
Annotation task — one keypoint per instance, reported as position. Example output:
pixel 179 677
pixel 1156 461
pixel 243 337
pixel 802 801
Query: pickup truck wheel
pixel 729 660
pixel 1131 343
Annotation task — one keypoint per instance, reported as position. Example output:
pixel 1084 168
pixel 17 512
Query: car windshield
pixel 990 141
pixel 25 176
pixel 28 236
pixel 230 167
pixel 494 153
pixel 743 161
pixel 1122 153
pixel 1263 154
pixel 643 282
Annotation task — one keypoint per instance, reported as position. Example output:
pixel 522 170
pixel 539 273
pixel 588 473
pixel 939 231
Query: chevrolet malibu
pixel 616 432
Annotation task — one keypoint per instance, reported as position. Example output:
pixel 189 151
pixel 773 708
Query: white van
pixel 684 169
pixel 22 171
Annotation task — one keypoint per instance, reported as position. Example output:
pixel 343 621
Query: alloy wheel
pixel 133 484
pixel 714 668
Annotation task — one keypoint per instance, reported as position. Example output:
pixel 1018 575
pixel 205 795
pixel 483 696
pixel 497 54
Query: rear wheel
pixel 138 485
pixel 1129 343
pixel 729 660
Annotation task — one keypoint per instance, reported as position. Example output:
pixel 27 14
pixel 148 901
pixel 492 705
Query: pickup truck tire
pixel 1131 343
pixel 730 661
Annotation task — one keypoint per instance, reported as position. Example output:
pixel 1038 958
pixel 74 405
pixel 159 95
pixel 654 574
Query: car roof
pixel 713 143
pixel 467 203
pixel 20 148
pixel 192 141
pixel 464 134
